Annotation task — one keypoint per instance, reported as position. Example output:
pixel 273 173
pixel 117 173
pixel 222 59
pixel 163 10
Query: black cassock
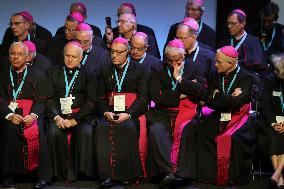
pixel 270 46
pixel 41 44
pixel 150 62
pixel 96 31
pixel 153 48
pixel 57 44
pixel 11 139
pixel 40 62
pixel 205 58
pixel 77 156
pixel 237 166
pixel 207 35
pixel 162 120
pixel 117 146
pixel 250 53
pixel 271 142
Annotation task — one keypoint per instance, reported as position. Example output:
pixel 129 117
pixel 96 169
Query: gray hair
pixel 81 50
pixel 174 50
pixel 190 30
pixel 26 50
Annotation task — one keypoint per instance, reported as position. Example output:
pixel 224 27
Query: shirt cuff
pixel 34 115
pixel 7 116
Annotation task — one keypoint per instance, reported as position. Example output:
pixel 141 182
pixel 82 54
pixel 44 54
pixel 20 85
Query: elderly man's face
pixel 72 56
pixel 18 56
pixel 70 27
pixel 187 39
pixel 234 25
pixel 138 47
pixel 221 65
pixel 174 58
pixel 19 25
pixel 85 39
pixel 124 24
pixel 118 53
pixel 193 10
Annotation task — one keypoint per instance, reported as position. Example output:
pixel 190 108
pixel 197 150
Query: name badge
pixel 119 103
pixel 13 106
pixel 66 104
pixel 280 119
pixel 226 116
pixel 276 93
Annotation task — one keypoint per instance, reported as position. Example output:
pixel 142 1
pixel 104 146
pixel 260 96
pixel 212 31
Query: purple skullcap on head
pixel 27 15
pixel 82 5
pixel 131 6
pixel 141 34
pixel 241 12
pixel 74 43
pixel 77 16
pixel 199 2
pixel 31 46
pixel 190 22
pixel 83 27
pixel 229 51
pixel 175 43
pixel 120 40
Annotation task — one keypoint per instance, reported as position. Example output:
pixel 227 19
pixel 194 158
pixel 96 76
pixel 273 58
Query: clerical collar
pixel 193 48
pixel 71 71
pixel 20 70
pixel 233 71
pixel 142 58
pixel 240 37
pixel 122 65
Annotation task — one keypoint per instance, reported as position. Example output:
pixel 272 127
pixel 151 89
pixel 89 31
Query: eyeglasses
pixel 183 38
pixel 122 21
pixel 67 30
pixel 117 52
pixel 138 48
pixel 169 61
pixel 84 42
pixel 15 54
pixel 15 23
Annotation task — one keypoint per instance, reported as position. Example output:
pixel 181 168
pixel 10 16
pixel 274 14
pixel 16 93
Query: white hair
pixel 26 50
pixel 174 50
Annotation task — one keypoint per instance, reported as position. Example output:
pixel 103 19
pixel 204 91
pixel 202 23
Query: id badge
pixel 13 106
pixel 119 103
pixel 280 119
pixel 226 116
pixel 276 93
pixel 66 104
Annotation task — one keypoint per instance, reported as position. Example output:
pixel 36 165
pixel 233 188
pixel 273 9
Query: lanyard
pixel 200 27
pixel 67 84
pixel 175 83
pixel 16 92
pixel 240 43
pixel 196 53
pixel 142 59
pixel 29 37
pixel 86 56
pixel 269 44
pixel 232 82
pixel 120 82
pixel 281 98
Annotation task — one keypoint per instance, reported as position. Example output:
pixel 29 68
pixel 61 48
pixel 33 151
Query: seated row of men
pixel 254 43
pixel 96 117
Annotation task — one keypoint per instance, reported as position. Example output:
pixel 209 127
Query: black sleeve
pixel 266 105
pixel 89 105
pixel 140 105
pixel 52 107
pixel 102 90
pixel 161 97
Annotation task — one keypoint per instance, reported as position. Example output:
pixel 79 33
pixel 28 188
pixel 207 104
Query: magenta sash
pixel 224 143
pixel 31 135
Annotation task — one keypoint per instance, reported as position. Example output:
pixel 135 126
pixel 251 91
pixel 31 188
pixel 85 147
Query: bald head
pixel 139 45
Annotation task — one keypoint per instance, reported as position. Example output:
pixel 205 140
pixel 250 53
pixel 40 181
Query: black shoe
pixel 272 183
pixel 171 180
pixel 8 182
pixel 106 183
pixel 41 184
